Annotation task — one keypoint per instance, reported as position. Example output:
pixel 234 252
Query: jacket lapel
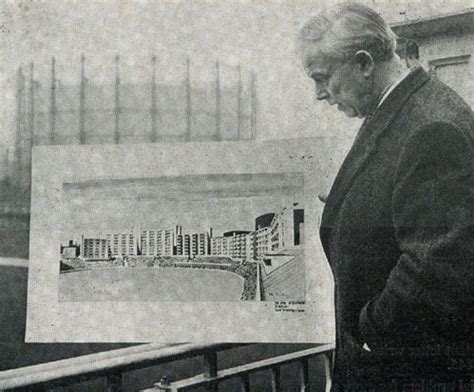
pixel 366 142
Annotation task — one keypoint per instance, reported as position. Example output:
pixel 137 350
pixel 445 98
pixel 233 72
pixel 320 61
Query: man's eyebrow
pixel 313 71
pixel 318 74
pixel 311 66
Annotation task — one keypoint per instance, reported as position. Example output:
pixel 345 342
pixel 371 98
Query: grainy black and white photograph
pixel 264 195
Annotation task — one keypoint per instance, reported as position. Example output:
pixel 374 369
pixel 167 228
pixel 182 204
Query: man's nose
pixel 321 93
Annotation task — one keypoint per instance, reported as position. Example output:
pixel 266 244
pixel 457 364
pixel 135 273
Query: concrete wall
pixel 458 76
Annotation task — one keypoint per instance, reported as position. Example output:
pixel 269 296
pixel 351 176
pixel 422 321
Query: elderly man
pixel 398 226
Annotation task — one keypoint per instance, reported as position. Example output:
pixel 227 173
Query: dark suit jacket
pixel 398 231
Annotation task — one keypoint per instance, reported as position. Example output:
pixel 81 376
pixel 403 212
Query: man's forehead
pixel 314 60
pixel 317 64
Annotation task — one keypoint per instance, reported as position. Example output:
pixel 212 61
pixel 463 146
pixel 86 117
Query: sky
pixel 257 34
pixel 224 202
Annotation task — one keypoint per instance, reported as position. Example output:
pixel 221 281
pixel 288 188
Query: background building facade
pixel 95 248
pixel 446 46
pixel 122 244
pixel 159 242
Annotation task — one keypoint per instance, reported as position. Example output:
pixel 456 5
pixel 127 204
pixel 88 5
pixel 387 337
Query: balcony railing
pixel 114 364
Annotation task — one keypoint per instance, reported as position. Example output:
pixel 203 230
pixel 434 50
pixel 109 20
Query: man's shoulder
pixel 434 116
pixel 428 106
pixel 436 102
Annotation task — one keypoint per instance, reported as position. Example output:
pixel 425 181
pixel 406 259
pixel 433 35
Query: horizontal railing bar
pixel 64 364
pixel 201 379
pixel 98 365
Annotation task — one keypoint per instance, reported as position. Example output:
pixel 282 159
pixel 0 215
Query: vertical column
pixel 328 360
pixel 52 109
pixel 218 134
pixel 253 106
pixel 117 102
pixel 6 164
pixel 239 104
pixel 303 370
pixel 30 135
pixel 20 125
pixel 244 383
pixel 94 248
pixel 82 104
pixel 114 382
pixel 276 380
pixel 189 110
pixel 153 108
pixel 258 288
pixel 32 101
pixel 210 369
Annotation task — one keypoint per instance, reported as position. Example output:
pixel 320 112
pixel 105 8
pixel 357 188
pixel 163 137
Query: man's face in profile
pixel 344 84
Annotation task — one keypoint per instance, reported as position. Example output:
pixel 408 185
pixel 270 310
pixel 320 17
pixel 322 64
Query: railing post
pixel 276 383
pixel 327 358
pixel 114 382
pixel 303 374
pixel 245 383
pixel 210 369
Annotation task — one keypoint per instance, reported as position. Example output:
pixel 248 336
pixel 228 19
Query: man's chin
pixel 349 112
pixel 352 115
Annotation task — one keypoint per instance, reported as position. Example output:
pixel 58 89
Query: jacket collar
pixel 366 141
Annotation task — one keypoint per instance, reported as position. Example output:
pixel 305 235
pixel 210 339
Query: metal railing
pixel 115 363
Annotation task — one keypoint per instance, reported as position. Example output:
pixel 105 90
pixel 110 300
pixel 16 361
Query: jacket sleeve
pixel 429 294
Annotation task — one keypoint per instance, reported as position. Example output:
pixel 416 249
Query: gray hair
pixel 340 31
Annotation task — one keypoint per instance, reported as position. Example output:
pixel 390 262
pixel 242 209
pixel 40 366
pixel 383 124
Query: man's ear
pixel 365 61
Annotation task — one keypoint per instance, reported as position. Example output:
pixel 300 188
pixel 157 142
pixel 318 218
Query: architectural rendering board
pixel 214 242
